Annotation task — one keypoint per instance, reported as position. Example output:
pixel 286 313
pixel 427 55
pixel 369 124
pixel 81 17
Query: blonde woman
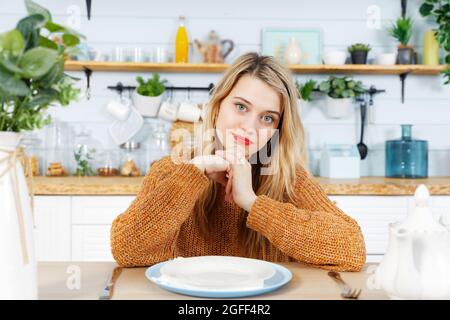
pixel 246 191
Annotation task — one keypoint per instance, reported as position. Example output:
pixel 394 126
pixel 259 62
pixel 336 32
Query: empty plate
pixel 218 276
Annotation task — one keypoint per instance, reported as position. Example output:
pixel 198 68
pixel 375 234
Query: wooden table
pixel 84 280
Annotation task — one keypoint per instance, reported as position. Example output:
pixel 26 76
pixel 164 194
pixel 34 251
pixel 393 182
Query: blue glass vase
pixel 407 158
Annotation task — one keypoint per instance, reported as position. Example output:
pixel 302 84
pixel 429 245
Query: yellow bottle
pixel 430 48
pixel 182 43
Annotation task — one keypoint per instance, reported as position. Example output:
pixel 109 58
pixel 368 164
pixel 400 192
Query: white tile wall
pixel 146 24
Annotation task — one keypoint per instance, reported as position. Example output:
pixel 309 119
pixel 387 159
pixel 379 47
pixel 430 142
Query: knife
pixel 107 292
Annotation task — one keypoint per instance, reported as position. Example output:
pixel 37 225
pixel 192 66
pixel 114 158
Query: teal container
pixel 407 158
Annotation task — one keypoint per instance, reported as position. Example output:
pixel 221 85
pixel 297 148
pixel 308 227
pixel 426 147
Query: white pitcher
pixel 417 262
pixel 18 269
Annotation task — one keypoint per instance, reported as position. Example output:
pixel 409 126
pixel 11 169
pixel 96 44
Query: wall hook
pixel 402 79
pixel 88 6
pixel 88 73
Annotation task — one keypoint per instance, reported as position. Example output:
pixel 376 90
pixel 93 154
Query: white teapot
pixel 417 261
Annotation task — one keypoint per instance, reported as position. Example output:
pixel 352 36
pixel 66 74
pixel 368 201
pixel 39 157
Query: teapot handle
pixel 231 47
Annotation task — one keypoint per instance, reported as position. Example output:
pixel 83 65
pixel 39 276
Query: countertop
pixel 130 186
pixel 84 280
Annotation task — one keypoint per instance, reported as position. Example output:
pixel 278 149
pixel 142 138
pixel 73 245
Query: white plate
pixel 217 272
pixel 218 276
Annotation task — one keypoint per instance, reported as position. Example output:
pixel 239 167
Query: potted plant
pixel 306 89
pixel 148 95
pixel 440 10
pixel 358 53
pixel 32 78
pixel 340 93
pixel 401 30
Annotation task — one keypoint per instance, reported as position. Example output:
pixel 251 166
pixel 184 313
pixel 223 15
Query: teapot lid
pixel 421 217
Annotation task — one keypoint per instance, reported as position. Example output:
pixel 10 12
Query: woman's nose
pixel 249 126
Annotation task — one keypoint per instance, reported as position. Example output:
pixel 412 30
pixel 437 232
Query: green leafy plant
pixel 305 90
pixel 359 47
pixel 32 74
pixel 440 10
pixel 341 87
pixel 153 87
pixel 401 30
pixel 82 158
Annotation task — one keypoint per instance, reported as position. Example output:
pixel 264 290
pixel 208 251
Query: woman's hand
pixel 214 167
pixel 239 187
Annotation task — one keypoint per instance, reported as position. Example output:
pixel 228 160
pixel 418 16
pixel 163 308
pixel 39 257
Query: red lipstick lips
pixel 242 140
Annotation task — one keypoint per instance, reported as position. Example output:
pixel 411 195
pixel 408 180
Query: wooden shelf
pixel 218 68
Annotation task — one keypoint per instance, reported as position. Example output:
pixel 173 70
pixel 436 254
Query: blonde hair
pixel 284 159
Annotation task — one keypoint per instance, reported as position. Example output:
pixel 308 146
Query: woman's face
pixel 249 115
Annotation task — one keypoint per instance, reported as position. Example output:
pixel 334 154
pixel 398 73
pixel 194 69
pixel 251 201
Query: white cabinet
pixel 52 235
pixel 373 214
pixel 91 223
pixel 77 228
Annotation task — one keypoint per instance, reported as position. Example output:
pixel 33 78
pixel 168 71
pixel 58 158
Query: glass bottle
pixel 108 163
pixel 57 137
pixel 33 161
pixel 131 159
pixel 84 153
pixel 182 43
pixel 407 157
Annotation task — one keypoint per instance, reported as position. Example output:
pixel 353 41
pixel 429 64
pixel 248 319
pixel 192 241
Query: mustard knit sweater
pixel 159 223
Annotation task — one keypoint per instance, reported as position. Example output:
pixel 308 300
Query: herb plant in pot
pixel 148 95
pixel 32 79
pixel 401 30
pixel 359 52
pixel 340 93
pixel 305 93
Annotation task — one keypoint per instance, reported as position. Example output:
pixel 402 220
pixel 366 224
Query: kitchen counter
pixel 84 280
pixel 130 186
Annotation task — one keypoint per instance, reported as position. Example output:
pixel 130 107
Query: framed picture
pixel 275 41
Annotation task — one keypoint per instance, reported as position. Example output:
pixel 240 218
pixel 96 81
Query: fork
pixel 347 291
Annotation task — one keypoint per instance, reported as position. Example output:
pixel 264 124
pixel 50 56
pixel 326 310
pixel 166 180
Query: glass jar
pixel 108 163
pixel 157 144
pixel 407 157
pixel 84 153
pixel 57 149
pixel 33 161
pixel 131 163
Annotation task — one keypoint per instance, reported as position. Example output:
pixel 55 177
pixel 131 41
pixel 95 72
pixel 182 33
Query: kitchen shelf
pixel 218 68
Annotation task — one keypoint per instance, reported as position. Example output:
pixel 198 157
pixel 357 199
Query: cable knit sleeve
pixel 147 231
pixel 313 230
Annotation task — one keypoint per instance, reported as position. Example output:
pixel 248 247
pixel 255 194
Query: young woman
pixel 247 191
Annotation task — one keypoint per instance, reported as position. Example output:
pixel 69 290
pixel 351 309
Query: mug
pixel 168 111
pixel 189 112
pixel 118 110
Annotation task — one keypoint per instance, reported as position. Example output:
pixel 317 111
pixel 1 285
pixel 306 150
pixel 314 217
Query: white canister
pixel 335 57
pixel 387 59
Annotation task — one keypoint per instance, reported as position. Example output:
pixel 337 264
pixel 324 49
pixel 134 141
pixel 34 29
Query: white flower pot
pixel 18 268
pixel 147 106
pixel 339 108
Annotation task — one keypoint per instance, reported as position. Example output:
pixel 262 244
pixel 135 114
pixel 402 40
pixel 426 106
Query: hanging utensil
pixel 362 147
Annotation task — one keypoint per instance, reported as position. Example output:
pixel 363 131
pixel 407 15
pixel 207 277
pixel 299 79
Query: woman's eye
pixel 240 107
pixel 268 119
